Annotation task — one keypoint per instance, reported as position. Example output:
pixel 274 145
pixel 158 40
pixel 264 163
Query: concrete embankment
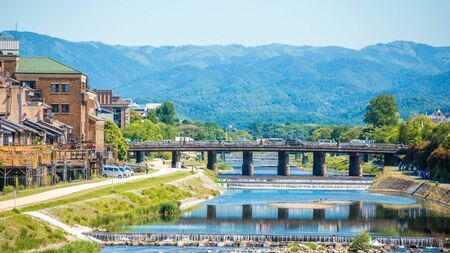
pixel 418 188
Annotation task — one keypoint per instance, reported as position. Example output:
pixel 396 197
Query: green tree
pixel 166 113
pixel 151 115
pixel 143 131
pixel 135 116
pixel 113 136
pixel 169 132
pixel 382 111
pixel 415 130
pixel 321 133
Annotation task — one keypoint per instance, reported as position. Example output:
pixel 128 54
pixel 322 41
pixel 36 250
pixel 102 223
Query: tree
pixel 169 132
pixel 151 115
pixel 166 113
pixel 114 136
pixel 143 131
pixel 382 111
pixel 135 116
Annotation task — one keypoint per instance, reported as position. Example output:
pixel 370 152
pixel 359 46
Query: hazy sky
pixel 350 23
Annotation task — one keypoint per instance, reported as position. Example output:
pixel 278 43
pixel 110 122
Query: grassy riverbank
pixel 103 208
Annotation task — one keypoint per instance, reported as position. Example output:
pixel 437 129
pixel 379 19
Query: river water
pixel 250 211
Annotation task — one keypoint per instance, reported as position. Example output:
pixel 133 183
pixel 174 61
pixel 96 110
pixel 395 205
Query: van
pixel 113 171
pixel 127 170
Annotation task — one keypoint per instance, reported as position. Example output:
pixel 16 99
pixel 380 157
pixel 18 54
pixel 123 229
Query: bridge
pixel 319 150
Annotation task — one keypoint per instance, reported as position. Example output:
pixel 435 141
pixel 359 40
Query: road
pixel 61 192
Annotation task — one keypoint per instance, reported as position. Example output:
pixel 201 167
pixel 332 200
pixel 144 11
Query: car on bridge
pixel 327 142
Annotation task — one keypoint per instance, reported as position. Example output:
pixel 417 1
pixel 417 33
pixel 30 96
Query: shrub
pixel 361 242
pixel 167 209
pixel 293 247
pixel 8 189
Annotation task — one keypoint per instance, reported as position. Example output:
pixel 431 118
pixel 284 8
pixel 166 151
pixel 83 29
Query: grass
pixel 76 247
pixel 106 190
pixel 19 232
pixel 225 167
pixel 32 191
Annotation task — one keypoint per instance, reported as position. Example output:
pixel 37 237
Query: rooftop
pixel 43 65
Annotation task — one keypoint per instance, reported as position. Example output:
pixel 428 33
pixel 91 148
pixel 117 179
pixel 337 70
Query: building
pixel 439 117
pixel 24 122
pixel 119 107
pixel 142 109
pixel 61 87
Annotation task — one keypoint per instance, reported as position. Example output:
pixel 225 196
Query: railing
pixel 279 144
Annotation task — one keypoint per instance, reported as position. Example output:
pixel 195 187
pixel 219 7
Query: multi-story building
pixel 119 107
pixel 63 88
pixel 439 117
pixel 142 109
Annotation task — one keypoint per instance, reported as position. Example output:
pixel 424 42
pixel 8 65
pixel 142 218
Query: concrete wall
pixel 430 191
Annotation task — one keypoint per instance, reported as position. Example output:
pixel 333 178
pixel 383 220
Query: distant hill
pixel 239 85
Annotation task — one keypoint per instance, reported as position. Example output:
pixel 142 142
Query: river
pixel 252 211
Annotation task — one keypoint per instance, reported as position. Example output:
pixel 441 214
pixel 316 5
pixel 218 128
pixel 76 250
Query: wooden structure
pixel 45 165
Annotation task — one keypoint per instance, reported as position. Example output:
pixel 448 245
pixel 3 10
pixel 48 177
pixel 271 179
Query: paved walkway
pixel 68 229
pixel 60 192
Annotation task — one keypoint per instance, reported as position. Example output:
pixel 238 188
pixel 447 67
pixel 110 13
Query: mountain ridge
pixel 235 84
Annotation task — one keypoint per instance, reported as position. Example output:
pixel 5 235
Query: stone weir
pixel 249 239
pixel 295 182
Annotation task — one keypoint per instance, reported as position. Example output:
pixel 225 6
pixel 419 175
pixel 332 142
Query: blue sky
pixel 349 23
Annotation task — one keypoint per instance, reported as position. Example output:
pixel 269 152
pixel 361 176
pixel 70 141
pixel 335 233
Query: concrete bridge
pixel 319 150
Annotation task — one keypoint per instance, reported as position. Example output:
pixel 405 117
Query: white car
pixel 113 171
pixel 128 170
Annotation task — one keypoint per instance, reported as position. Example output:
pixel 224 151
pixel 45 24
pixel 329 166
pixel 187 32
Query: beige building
pixel 61 87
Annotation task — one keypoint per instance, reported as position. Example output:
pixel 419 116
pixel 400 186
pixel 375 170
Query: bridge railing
pixel 277 144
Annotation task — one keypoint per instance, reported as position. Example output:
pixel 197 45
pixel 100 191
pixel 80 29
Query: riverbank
pixel 106 208
pixel 395 181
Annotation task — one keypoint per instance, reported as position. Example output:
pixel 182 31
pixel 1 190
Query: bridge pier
pixel 319 214
pixel 247 212
pixel 304 158
pixel 389 159
pixel 283 213
pixel 319 167
pixel 354 210
pixel 297 156
pixel 212 160
pixel 355 168
pixel 202 155
pixel 210 212
pixel 247 165
pixel 366 158
pixel 140 156
pixel 176 157
pixel 283 163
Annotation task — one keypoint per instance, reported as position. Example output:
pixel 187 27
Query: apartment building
pixel 61 87
pixel 116 105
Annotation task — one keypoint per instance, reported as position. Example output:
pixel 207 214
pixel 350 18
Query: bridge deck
pixel 261 147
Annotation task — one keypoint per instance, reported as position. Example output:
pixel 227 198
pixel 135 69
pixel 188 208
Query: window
pixel 65 108
pixel 55 108
pixel 65 88
pixel 30 84
pixel 55 88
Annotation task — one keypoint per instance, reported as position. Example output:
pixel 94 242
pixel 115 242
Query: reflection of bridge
pixel 319 150
pixel 356 215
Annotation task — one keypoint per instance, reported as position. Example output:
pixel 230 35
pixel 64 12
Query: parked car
pixel 293 142
pixel 113 171
pixel 128 170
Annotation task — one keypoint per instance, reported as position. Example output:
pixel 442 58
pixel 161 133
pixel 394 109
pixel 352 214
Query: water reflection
pixel 249 212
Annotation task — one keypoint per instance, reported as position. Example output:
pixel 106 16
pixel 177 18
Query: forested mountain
pixel 239 85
